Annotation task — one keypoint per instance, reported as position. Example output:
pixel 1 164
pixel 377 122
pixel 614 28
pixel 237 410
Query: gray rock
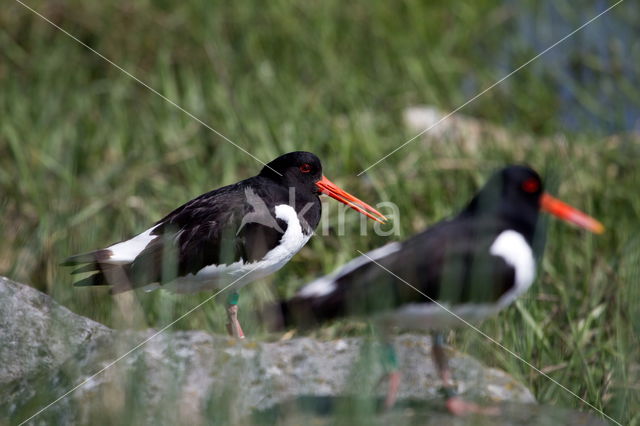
pixel 323 411
pixel 36 332
pixel 194 377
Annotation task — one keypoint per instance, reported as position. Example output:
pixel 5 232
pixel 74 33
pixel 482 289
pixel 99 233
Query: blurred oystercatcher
pixel 470 266
pixel 234 234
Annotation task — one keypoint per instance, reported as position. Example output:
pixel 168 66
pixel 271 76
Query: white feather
pixel 429 316
pixel 318 288
pixel 513 248
pixel 126 251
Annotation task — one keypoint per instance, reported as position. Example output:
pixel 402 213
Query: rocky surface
pixel 194 377
pixel 36 332
pixel 319 411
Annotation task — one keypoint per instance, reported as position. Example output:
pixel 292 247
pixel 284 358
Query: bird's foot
pixel 233 326
pixel 457 406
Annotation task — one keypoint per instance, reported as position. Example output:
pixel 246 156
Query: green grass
pixel 88 156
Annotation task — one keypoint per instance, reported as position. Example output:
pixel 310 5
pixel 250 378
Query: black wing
pixel 219 227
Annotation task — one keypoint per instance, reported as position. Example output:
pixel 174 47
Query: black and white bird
pixel 226 237
pixel 462 269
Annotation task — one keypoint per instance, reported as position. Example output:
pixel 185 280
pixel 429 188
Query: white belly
pixel 238 274
pixel 429 316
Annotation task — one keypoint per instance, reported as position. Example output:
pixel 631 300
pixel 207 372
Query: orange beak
pixel 334 191
pixel 566 212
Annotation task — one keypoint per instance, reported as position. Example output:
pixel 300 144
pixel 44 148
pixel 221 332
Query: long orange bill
pixel 334 191
pixel 566 212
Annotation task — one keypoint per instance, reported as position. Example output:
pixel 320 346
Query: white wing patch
pixel 126 251
pixel 217 276
pixel 325 285
pixel 318 288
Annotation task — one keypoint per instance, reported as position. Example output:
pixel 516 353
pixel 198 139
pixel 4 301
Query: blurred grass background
pixel 88 156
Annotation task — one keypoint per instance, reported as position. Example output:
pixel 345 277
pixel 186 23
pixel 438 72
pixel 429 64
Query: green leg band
pixel 389 357
pixel 438 338
pixel 232 298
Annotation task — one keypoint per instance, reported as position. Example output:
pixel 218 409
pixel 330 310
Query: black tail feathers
pixel 96 256
pixel 104 273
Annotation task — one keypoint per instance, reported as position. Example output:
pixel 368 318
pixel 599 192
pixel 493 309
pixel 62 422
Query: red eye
pixel 530 185
pixel 305 168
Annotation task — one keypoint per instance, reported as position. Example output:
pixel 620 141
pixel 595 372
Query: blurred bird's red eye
pixel 305 168
pixel 530 185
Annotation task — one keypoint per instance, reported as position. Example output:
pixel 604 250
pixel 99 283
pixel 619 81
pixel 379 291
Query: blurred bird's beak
pixel 334 191
pixel 567 213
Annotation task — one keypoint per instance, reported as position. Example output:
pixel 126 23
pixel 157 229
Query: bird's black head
pixel 303 171
pixel 521 187
pixel 297 169
pixel 513 195
pixel 516 194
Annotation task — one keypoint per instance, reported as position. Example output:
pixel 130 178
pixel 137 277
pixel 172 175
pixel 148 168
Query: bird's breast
pixel 511 246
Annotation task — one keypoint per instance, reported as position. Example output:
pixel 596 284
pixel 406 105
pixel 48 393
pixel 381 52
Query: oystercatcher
pixel 234 234
pixel 465 268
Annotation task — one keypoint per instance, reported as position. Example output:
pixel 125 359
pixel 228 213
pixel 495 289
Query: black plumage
pixel 459 270
pixel 450 263
pixel 235 223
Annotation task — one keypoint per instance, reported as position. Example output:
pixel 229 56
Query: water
pixel 596 72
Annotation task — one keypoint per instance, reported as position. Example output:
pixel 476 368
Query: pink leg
pixel 459 407
pixel 455 404
pixel 233 326
pixel 392 388
pixel 390 363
